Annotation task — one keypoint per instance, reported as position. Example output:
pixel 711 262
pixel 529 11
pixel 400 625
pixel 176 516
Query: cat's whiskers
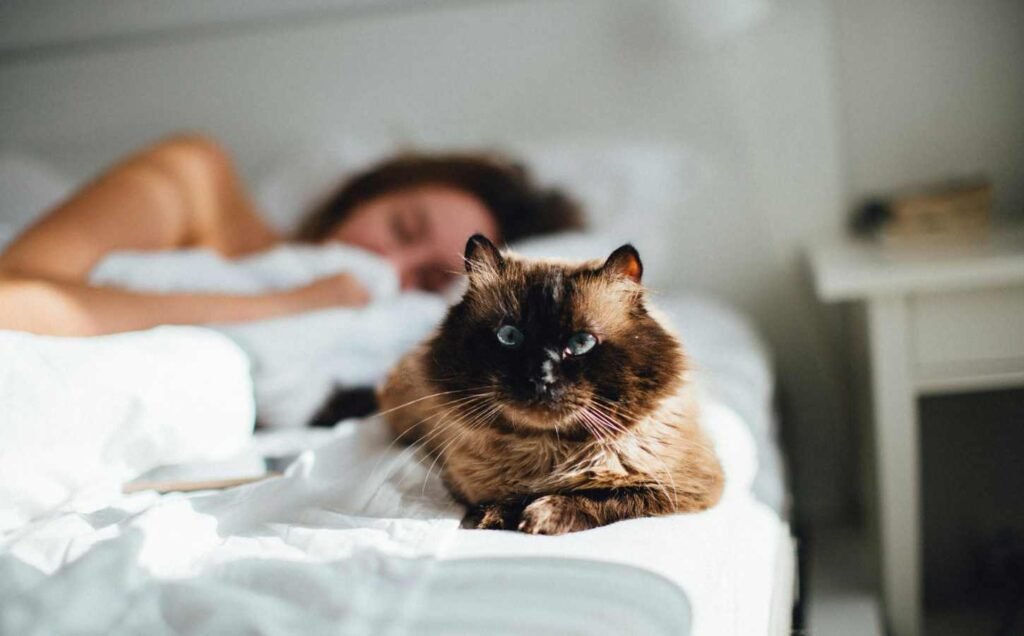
pixel 426 397
pixel 595 423
pixel 419 452
pixel 591 424
pixel 614 408
pixel 612 415
pixel 443 426
pixel 485 420
pixel 606 418
pixel 478 402
pixel 460 418
pixel 481 419
pixel 664 467
pixel 618 427
pixel 580 418
pixel 457 422
pixel 439 412
pixel 674 494
pixel 464 399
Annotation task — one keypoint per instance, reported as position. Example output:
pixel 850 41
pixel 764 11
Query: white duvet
pixel 350 540
pixel 346 539
pixel 297 359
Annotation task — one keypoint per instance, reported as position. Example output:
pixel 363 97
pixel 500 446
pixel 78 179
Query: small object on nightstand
pixel 953 211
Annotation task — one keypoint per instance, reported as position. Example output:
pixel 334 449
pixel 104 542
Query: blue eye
pixel 580 343
pixel 509 336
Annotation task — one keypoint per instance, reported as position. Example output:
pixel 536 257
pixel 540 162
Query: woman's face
pixel 422 231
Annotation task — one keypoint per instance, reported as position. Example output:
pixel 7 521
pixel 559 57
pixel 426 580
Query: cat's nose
pixel 546 376
pixel 545 382
pixel 544 390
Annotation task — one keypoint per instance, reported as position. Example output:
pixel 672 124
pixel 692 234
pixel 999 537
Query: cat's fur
pixel 542 441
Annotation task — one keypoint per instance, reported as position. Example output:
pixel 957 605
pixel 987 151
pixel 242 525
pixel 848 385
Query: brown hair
pixel 520 206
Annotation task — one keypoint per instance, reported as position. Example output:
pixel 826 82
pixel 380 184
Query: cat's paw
pixel 555 514
pixel 491 517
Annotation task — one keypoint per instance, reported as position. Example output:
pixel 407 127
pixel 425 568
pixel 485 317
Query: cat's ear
pixel 482 255
pixel 624 262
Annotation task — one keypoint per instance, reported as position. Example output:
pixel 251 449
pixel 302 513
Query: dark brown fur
pixel 549 443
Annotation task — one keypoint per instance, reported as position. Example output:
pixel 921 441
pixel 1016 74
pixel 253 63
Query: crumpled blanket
pixel 296 360
pixel 355 539
pixel 80 415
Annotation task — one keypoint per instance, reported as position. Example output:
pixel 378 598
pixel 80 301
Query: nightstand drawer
pixel 968 328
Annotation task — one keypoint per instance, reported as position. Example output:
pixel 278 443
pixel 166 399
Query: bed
pixel 358 536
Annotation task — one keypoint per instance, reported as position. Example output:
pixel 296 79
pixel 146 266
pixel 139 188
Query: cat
pixel 554 398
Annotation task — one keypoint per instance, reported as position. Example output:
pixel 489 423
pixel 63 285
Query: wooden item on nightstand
pixel 940 318
pixel 947 212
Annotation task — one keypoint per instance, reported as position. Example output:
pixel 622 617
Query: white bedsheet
pixel 80 415
pixel 347 540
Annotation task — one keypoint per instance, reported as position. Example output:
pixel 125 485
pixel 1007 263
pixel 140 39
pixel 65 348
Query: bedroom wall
pixel 759 104
pixel 932 90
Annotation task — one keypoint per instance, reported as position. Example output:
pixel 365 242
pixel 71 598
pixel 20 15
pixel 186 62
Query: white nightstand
pixel 939 319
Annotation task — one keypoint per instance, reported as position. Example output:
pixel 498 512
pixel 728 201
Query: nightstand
pixel 938 319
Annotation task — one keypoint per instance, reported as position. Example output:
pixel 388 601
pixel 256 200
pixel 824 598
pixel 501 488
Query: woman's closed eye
pixel 409 224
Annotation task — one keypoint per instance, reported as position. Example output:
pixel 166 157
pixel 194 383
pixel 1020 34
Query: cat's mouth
pixel 542 414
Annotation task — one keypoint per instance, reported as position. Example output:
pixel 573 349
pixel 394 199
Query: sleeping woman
pixel 416 211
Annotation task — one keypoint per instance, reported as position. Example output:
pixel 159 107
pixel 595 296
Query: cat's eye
pixel 509 336
pixel 580 343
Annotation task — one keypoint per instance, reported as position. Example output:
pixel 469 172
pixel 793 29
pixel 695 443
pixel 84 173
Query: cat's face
pixel 556 345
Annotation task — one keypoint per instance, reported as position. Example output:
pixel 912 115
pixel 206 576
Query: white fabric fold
pixel 80 415
pixel 355 534
pixel 296 360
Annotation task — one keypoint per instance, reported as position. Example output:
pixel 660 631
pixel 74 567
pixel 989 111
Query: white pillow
pixel 578 246
pixel 619 183
pixel 306 175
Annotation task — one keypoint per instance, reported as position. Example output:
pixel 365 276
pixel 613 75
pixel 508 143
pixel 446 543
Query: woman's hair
pixel 520 206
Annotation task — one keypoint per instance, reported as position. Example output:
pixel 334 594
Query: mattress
pixel 360 537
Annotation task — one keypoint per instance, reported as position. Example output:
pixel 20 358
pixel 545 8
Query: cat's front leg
pixel 556 514
pixel 494 516
pixel 586 509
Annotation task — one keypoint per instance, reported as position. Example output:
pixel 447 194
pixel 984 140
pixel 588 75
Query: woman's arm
pixel 181 192
pixel 75 309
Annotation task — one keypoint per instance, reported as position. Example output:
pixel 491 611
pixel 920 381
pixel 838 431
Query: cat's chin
pixel 539 416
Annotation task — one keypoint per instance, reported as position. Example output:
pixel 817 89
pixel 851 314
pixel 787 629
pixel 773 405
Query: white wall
pixel 760 106
pixel 931 89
